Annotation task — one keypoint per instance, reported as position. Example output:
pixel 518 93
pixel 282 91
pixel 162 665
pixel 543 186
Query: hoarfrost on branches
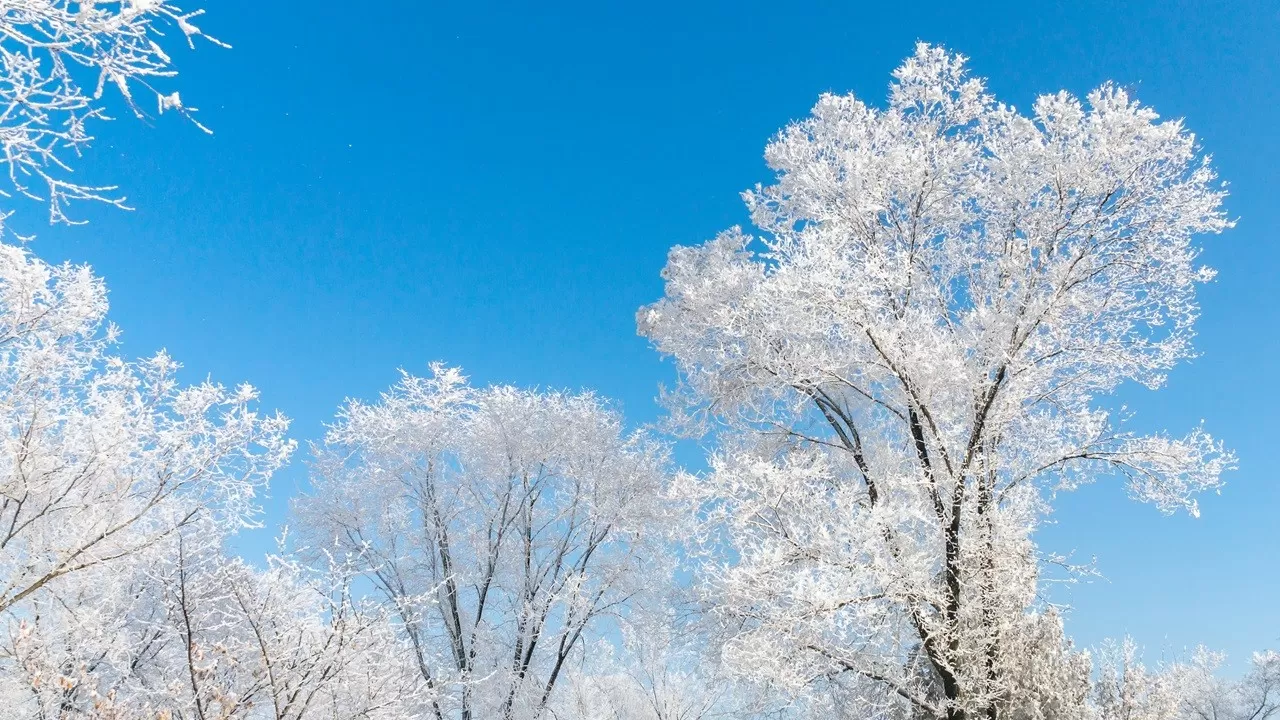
pixel 118 489
pixel 103 458
pixel 901 370
pixel 1190 689
pixel 906 363
pixel 506 529
pixel 189 632
pixel 57 59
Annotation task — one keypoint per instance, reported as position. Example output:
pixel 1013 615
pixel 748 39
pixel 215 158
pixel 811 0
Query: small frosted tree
pixel 1191 689
pixel 906 364
pixel 503 527
pixel 185 631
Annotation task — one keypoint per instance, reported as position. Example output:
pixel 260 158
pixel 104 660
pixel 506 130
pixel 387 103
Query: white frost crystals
pixel 905 362
pixel 56 59
pixel 104 458
pixel 896 377
pixel 106 466
pixel 507 530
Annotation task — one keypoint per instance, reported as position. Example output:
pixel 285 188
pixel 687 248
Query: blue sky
pixel 496 186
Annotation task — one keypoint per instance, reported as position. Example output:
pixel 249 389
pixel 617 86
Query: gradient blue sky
pixel 496 186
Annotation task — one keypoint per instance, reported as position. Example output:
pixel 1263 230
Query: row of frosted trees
pixel 894 376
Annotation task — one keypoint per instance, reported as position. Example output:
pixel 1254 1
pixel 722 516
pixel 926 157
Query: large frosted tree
pixel 906 363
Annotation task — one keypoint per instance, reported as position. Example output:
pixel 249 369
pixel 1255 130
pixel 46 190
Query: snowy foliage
pixel 1188 690
pixel 191 633
pixel 907 363
pixel 503 527
pixel 901 371
pixel 103 458
pixel 57 58
pixel 118 488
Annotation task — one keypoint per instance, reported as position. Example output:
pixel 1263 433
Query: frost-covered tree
pixel 503 527
pixel 910 359
pixel 192 633
pixel 104 464
pixel 57 59
pixel 661 671
pixel 298 643
pixel 1125 689
pixel 1205 695
pixel 101 458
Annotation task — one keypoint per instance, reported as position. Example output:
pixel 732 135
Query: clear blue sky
pixel 497 187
